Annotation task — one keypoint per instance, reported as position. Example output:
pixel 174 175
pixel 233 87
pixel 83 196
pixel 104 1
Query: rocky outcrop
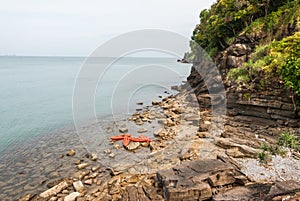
pixel 267 111
pixel 196 180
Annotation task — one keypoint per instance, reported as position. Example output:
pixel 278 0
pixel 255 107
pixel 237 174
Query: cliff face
pixel 251 110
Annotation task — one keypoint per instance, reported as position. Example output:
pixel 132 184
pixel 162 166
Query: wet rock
pixel 132 146
pixel 80 175
pixel 26 197
pixel 139 122
pixel 109 129
pixel 72 196
pixel 94 157
pixel 156 132
pixel 78 186
pixel 95 168
pixel 82 166
pixel 71 152
pixel 142 130
pixel 54 190
pixel 161 121
pixel 112 155
pixel 123 129
pixel 154 102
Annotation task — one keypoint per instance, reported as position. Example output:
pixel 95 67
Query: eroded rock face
pixel 195 180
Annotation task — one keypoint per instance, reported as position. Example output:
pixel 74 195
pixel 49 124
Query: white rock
pixel 78 185
pixel 54 190
pixel 71 152
pixel 81 166
pixel 94 157
pixel 72 196
pixel 132 146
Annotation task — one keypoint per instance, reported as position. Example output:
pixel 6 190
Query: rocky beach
pixel 182 162
pixel 230 132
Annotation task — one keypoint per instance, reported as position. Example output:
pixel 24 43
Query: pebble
pixel 82 166
pixel 142 130
pixel 123 129
pixel 112 155
pixel 72 196
pixel 132 146
pixel 88 182
pixel 78 185
pixel 94 157
pixel 95 168
pixel 71 152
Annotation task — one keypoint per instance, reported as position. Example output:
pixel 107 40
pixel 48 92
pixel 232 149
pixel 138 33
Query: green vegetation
pixel 288 140
pixel 276 56
pixel 279 61
pixel 285 141
pixel 226 19
pixel 262 157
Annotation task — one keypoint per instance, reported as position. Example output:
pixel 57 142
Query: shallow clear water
pixel 36 92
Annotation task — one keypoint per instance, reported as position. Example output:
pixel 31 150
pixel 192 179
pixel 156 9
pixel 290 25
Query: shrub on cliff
pixel 220 24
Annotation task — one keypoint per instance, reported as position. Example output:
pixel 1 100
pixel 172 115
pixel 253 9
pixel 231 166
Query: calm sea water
pixel 36 92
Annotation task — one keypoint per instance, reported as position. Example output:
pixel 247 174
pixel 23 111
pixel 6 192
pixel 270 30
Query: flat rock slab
pixel 259 191
pixel 193 180
pixel 141 193
pixel 251 192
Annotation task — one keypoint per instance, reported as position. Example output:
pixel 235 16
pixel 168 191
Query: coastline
pixel 177 144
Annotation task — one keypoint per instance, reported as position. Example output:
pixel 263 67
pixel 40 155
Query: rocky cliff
pixel 267 110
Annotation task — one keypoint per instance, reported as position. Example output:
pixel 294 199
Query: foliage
pixel 240 75
pixel 286 60
pixel 226 19
pixel 262 157
pixel 288 140
pixel 285 141
pixel 279 60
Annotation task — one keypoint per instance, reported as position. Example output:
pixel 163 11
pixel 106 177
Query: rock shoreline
pixel 183 162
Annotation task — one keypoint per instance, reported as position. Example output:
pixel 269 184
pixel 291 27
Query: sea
pixel 37 93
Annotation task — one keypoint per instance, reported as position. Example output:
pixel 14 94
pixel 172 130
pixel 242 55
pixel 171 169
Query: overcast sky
pixel 77 27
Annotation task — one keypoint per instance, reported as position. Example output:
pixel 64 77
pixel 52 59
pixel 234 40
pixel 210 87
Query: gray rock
pixel 188 181
pixel 123 129
pixel 142 130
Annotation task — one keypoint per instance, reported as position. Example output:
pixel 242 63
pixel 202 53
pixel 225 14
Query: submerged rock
pixel 142 130
pixel 123 129
pixel 71 152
